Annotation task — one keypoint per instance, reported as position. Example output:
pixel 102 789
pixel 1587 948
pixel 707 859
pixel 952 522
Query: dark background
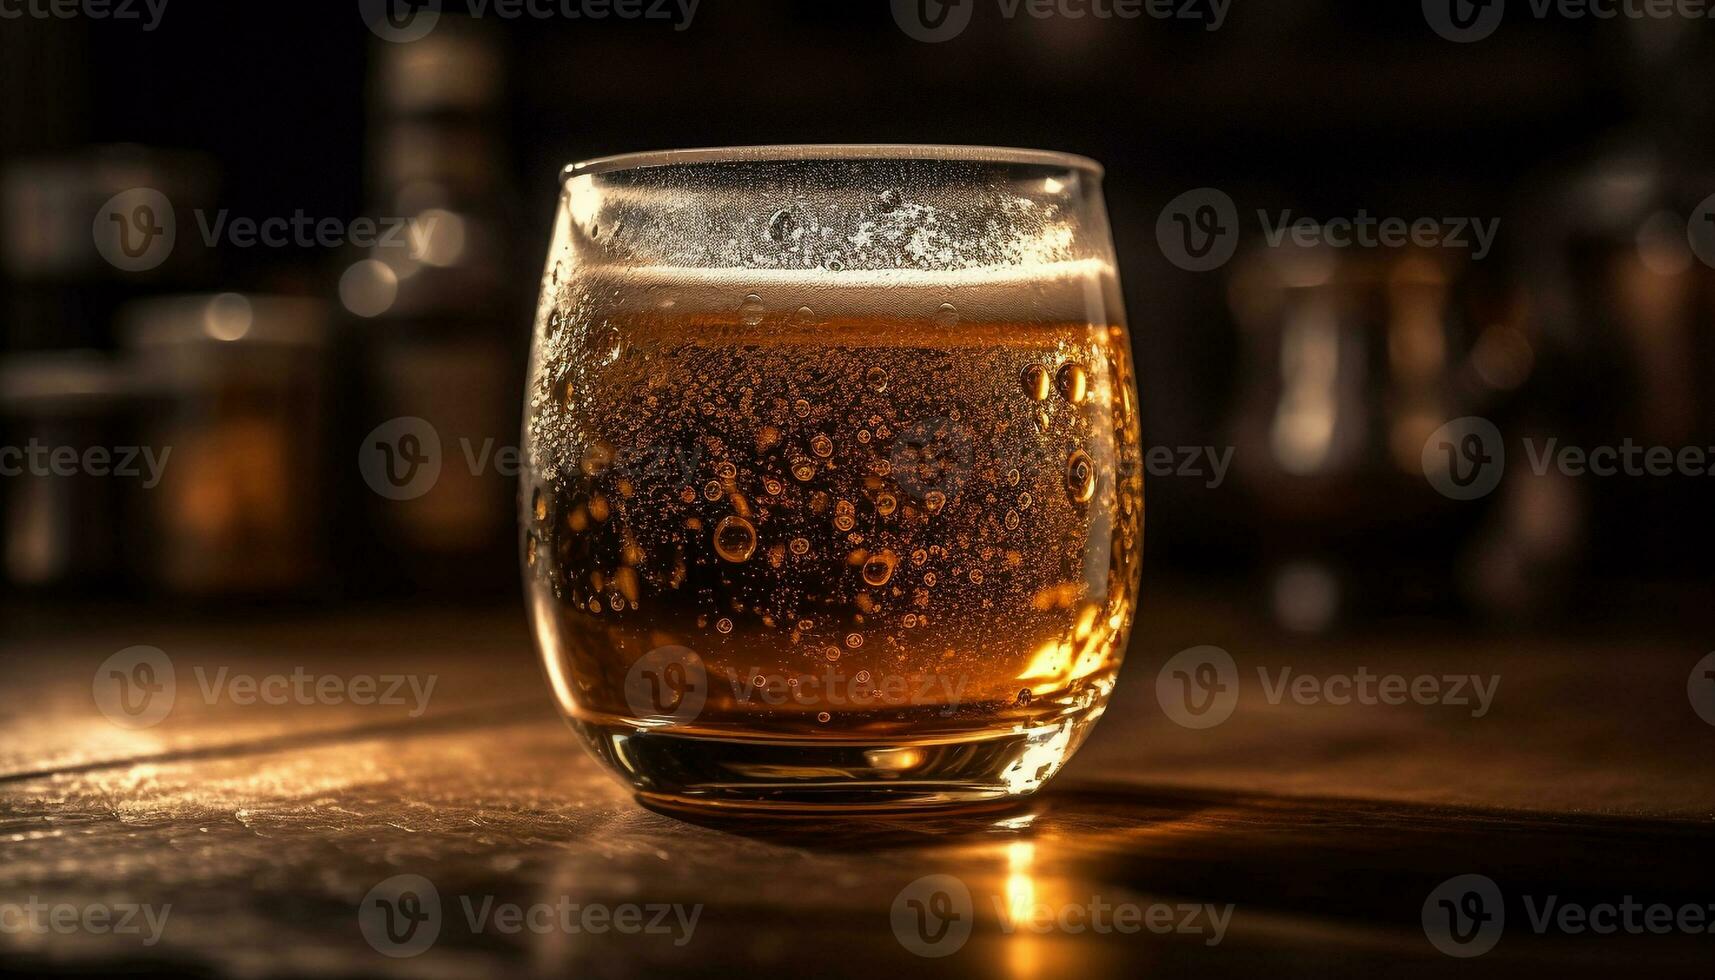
pixel 1577 135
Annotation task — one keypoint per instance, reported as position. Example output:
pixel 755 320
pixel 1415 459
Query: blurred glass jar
pixel 63 429
pixel 234 389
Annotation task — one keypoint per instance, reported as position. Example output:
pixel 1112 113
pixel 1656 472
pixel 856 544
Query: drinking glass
pixel 832 497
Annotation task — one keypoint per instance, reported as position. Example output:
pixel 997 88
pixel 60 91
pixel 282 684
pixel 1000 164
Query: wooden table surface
pixel 1314 833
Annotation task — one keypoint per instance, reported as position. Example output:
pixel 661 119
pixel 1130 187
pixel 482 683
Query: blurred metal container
pixel 63 439
pixel 235 388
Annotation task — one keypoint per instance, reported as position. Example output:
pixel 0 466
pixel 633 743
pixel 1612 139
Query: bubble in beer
pixel 735 539
pixel 1080 477
pixel 889 200
pixel 724 625
pixel 879 568
pixel 823 716
pixel 947 315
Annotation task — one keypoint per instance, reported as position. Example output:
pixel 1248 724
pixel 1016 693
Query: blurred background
pixel 264 359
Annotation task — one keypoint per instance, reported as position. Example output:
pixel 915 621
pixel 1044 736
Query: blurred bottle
pixel 65 469
pixel 234 408
pixel 442 333
pixel 1349 364
pixel 83 232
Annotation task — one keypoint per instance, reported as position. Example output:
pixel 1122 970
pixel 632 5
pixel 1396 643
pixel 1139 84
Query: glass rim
pixel 789 152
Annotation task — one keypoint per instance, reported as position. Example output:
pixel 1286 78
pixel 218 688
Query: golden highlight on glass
pixel 833 497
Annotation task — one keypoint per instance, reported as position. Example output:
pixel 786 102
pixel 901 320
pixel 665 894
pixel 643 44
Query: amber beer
pixel 823 537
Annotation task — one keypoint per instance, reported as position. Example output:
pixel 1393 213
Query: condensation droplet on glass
pixel 1073 382
pixel 1038 383
pixel 539 504
pixel 751 310
pixel 803 469
pixel 781 225
pixel 724 625
pixel 822 446
pixel 886 504
pixel 888 200
pixel 712 490
pixel 1012 520
pixel 735 539
pixel 1080 477
pixel 801 408
pixel 854 640
pixel 800 546
pixel 876 378
pixel 726 471
pixel 934 500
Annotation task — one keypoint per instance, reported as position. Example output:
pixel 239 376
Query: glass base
pixel 706 773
